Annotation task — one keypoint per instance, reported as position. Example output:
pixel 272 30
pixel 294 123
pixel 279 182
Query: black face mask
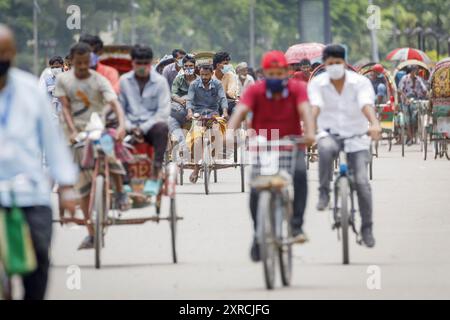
pixel 4 67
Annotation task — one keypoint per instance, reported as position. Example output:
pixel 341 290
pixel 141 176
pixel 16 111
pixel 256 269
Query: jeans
pixel 329 149
pixel 300 195
pixel 39 219
pixel 157 137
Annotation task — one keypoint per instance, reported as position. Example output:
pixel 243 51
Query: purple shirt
pixel 170 73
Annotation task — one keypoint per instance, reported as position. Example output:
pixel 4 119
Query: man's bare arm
pixel 67 114
pixel 238 116
pixel 308 121
pixel 375 128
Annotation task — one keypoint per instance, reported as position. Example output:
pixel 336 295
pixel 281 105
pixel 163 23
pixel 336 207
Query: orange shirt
pixel 111 74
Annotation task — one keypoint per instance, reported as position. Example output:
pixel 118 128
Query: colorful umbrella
pixel 403 54
pixel 312 51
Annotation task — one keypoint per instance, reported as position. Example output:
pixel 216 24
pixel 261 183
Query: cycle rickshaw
pixel 438 126
pixel 386 110
pixel 418 108
pixel 103 210
pixel 200 129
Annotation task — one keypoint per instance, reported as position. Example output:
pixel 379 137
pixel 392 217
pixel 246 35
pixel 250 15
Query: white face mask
pixel 336 71
pixel 56 71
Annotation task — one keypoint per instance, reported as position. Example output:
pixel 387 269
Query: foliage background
pixel 216 25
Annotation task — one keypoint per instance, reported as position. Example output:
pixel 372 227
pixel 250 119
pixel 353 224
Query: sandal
pixel 194 176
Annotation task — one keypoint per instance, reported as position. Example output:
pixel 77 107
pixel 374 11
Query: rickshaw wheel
pixel 99 208
pixel 173 228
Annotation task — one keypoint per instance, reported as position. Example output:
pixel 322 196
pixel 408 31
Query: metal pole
pixel 374 40
pixel 35 39
pixel 133 23
pixel 396 42
pixel 328 38
pixel 252 34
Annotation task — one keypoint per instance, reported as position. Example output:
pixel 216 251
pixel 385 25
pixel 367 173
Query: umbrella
pixel 403 54
pixel 312 51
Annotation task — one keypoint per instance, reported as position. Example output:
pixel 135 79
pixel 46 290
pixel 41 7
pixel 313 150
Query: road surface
pixel 412 256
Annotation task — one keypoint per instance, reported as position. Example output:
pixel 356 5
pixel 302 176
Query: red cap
pixel 274 59
pixel 378 68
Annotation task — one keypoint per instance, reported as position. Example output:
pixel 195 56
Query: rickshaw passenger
pixel 180 88
pixel 206 96
pixel 379 84
pixel 145 97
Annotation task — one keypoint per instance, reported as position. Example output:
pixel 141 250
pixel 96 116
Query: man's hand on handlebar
pixel 73 137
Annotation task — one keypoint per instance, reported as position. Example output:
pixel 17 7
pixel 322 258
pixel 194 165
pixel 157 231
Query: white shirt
pixel 248 82
pixel 342 113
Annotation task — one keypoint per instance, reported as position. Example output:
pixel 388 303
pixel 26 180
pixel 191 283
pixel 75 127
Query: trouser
pixel 176 130
pixel 300 195
pixel 39 219
pixel 329 149
pixel 157 137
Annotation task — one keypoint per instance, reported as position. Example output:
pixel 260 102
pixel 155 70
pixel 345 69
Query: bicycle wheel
pixel 206 175
pixel 425 147
pixel 181 174
pixel 402 137
pixel 266 237
pixel 173 229
pixel 242 168
pixel 99 215
pixel 344 193
pixel 391 137
pixel 283 214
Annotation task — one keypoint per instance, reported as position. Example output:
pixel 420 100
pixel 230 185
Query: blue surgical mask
pixel 276 85
pixel 189 71
pixel 180 63
pixel 227 68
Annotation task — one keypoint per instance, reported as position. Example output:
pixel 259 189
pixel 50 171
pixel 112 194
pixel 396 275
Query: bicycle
pixel 273 166
pixel 343 209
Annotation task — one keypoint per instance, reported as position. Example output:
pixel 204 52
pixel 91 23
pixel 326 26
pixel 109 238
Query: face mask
pixel 276 85
pixel 189 71
pixel 142 71
pixel 227 68
pixel 336 71
pixel 180 63
pixel 243 76
pixel 56 71
pixel 94 60
pixel 4 67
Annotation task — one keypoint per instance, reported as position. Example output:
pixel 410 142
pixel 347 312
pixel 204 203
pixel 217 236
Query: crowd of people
pixel 336 103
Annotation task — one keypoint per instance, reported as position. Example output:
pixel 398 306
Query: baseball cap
pixel 274 59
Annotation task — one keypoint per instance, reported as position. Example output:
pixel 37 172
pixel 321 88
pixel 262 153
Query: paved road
pixel 412 228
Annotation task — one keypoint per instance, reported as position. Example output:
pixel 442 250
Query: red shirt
pixel 281 113
pixel 109 73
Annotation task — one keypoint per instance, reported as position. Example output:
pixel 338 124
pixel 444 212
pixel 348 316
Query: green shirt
pixel 180 86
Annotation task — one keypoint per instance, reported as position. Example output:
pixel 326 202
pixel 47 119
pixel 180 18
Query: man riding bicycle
pixel 205 97
pixel 412 86
pixel 145 97
pixel 343 104
pixel 83 91
pixel 278 106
